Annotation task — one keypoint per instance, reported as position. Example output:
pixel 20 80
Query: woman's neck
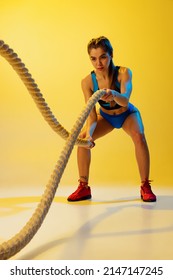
pixel 107 74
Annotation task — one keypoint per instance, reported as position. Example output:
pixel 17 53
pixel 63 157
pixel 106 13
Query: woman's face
pixel 100 59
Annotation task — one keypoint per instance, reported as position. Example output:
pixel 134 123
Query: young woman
pixel 115 112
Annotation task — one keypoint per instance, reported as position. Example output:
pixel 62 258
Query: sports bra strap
pixel 94 80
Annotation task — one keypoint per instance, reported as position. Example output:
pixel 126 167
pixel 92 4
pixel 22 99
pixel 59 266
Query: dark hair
pixel 100 42
pixel 104 43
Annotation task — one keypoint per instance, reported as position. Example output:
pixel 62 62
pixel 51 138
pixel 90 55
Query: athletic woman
pixel 115 112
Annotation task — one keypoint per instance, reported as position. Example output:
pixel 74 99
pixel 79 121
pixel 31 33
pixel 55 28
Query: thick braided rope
pixel 21 239
pixel 24 236
pixel 34 91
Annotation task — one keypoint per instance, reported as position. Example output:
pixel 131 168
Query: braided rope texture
pixel 35 92
pixel 24 236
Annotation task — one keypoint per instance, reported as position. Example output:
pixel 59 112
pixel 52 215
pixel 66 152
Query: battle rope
pixel 24 236
pixel 35 92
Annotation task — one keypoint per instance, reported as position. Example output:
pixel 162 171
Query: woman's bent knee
pixel 138 137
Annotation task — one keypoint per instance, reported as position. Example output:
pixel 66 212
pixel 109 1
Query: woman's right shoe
pixel 83 192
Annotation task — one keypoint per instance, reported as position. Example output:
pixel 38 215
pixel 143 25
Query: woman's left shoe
pixel 146 193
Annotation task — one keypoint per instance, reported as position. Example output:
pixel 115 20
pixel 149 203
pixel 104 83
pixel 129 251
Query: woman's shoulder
pixel 124 71
pixel 87 81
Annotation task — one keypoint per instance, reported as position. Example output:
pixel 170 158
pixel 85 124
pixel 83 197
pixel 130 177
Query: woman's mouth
pixel 99 68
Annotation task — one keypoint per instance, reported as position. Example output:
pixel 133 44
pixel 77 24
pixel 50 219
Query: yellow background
pixel 51 37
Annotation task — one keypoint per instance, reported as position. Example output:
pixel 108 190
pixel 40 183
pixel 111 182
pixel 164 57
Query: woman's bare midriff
pixel 115 111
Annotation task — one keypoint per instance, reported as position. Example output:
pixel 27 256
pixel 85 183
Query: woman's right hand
pixel 89 139
pixel 91 143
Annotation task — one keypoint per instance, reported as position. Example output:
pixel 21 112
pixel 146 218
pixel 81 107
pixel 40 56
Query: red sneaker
pixel 83 192
pixel 146 193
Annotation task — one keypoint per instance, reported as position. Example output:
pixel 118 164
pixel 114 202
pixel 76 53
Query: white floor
pixel 114 225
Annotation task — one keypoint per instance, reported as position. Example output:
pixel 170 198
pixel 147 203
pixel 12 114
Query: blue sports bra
pixel 102 103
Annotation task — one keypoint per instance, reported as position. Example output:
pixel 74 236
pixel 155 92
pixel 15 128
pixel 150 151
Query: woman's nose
pixel 98 62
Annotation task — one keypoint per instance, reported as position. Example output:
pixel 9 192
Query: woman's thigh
pixel 133 123
pixel 103 127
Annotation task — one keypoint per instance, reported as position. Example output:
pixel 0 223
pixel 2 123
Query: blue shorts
pixel 117 120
